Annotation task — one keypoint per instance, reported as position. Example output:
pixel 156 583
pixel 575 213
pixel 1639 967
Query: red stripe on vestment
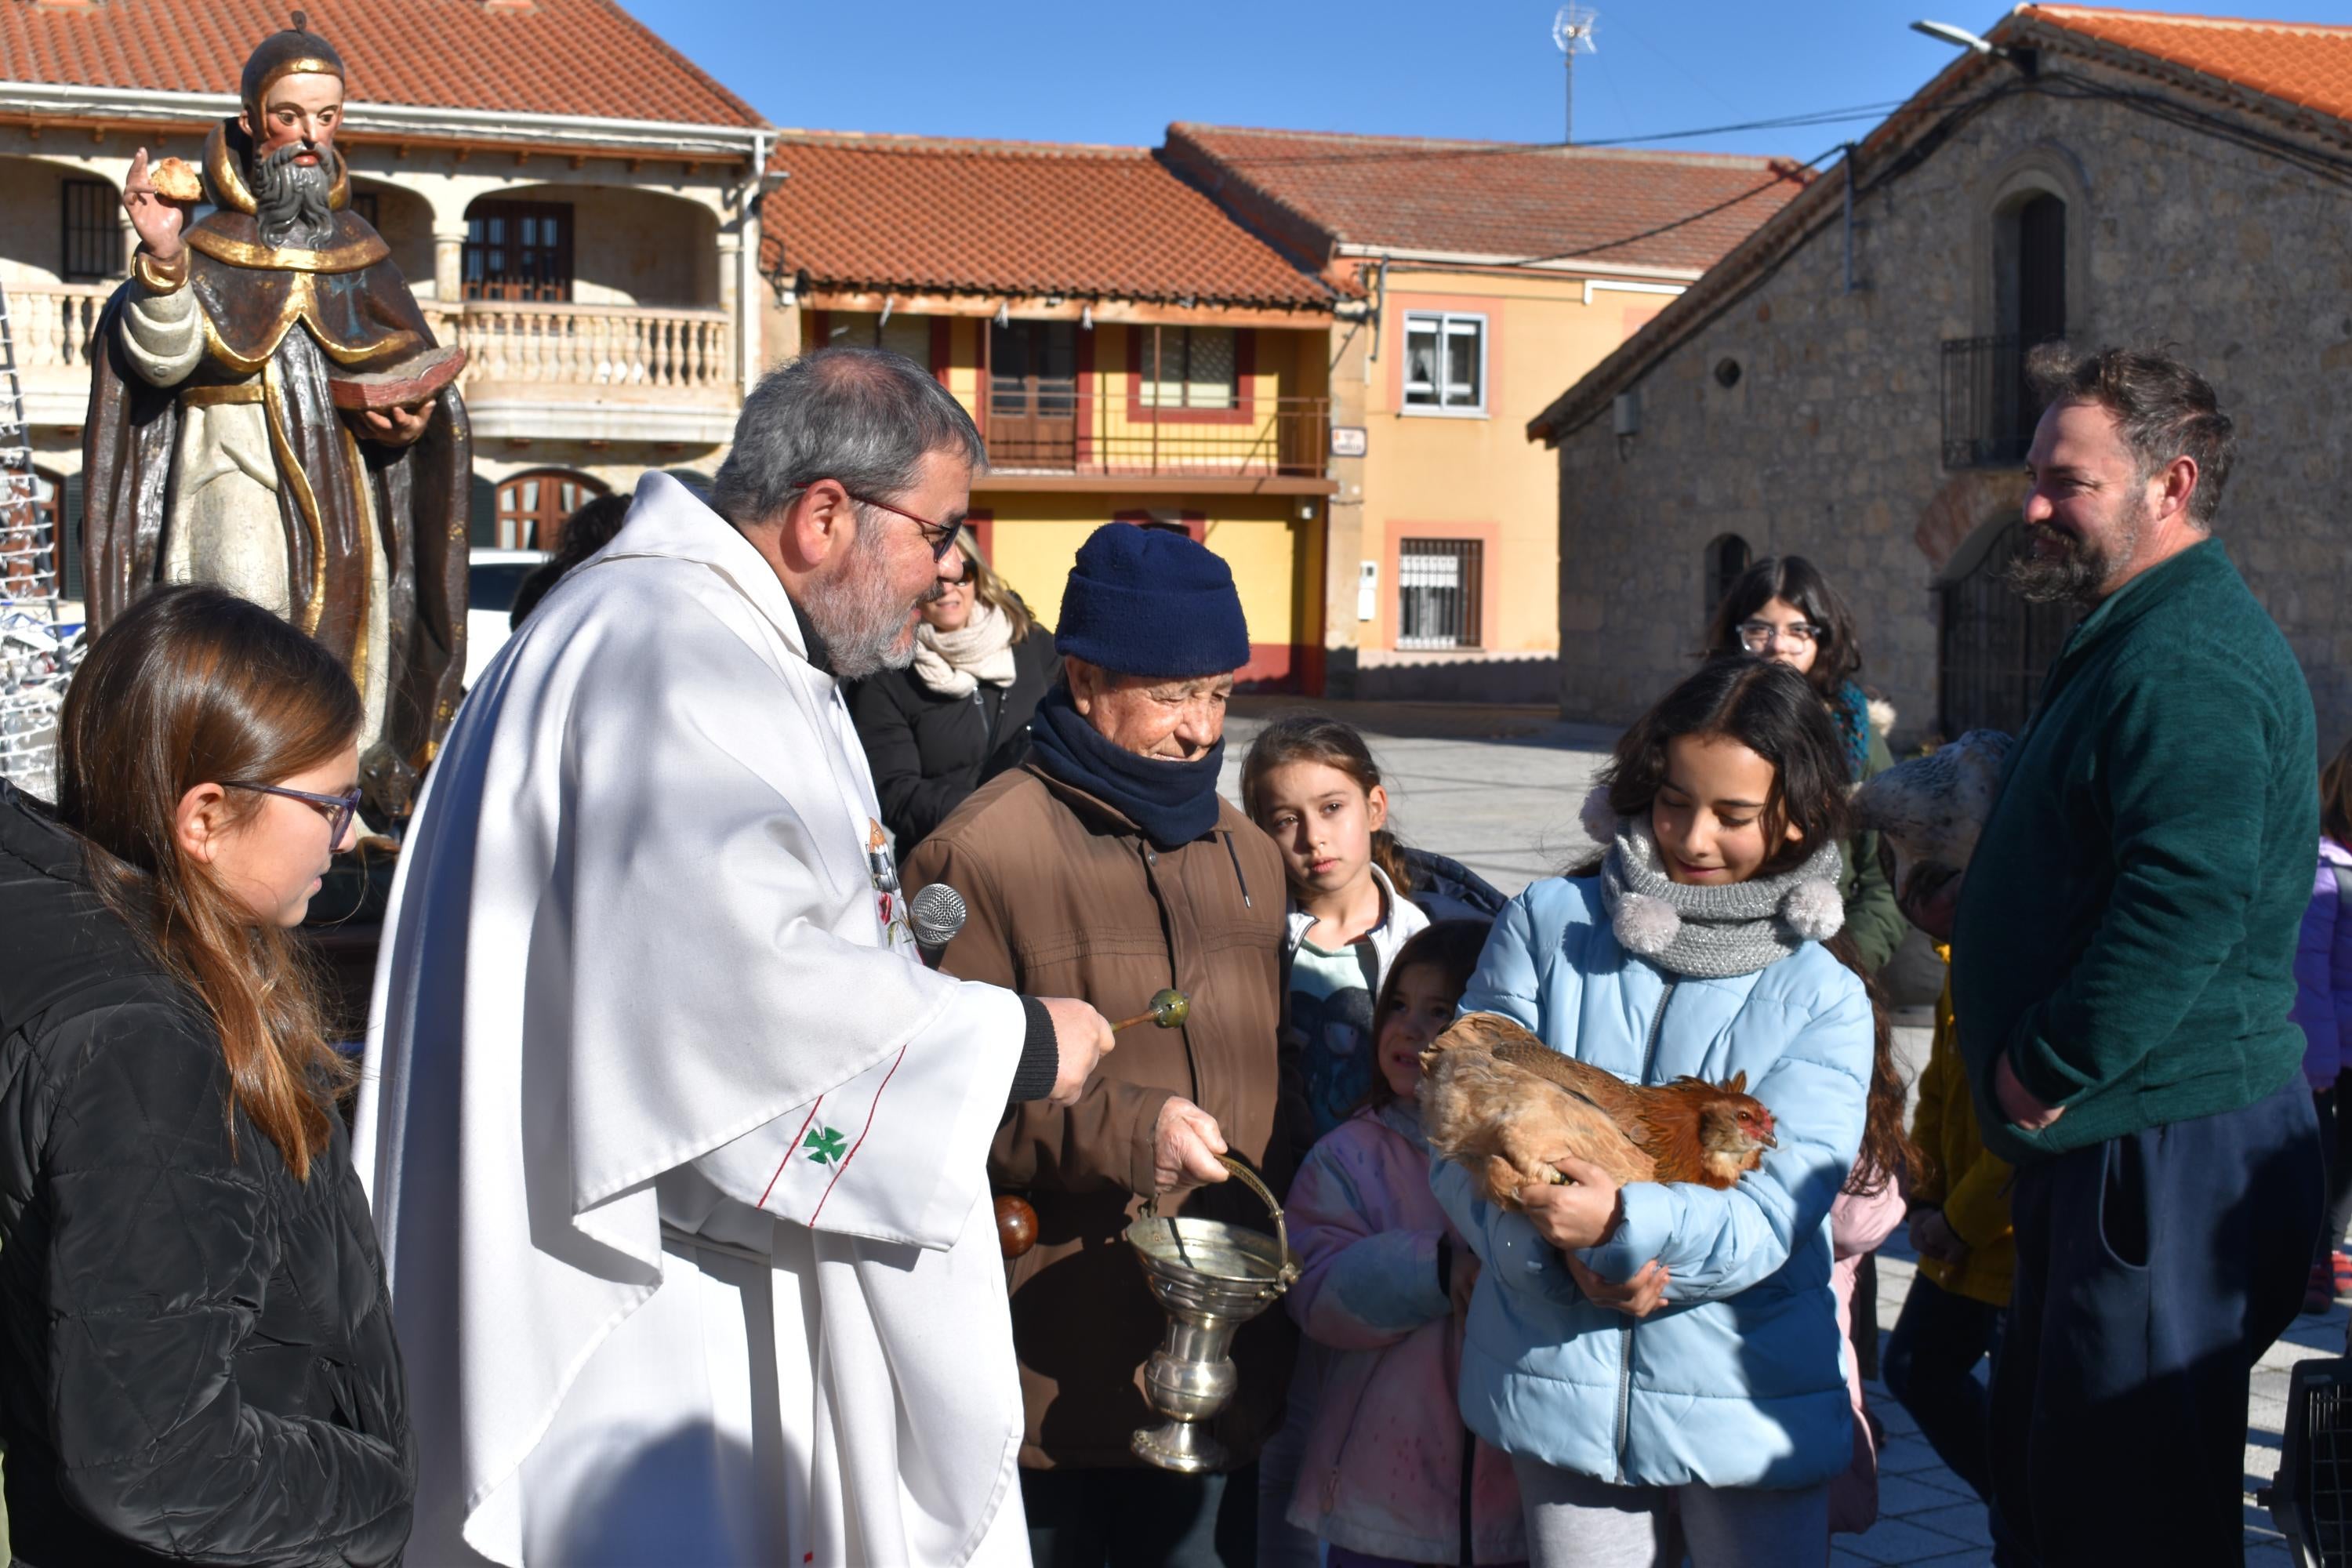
pixel 789 1149
pixel 862 1132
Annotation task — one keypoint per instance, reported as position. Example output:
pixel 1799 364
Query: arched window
pixel 533 505
pixel 1727 556
pixel 28 533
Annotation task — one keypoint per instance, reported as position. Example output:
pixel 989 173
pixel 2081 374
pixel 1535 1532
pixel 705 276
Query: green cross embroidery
pixel 824 1145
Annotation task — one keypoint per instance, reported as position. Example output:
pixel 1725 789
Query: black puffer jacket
pixel 929 752
pixel 198 1362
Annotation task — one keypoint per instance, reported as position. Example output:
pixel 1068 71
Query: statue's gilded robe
pixel 276 324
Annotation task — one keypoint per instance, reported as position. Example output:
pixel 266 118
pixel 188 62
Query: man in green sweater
pixel 2123 977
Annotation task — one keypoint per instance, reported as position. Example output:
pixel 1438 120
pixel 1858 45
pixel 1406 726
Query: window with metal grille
pixel 532 507
pixel 93 230
pixel 1438 584
pixel 1189 367
pixel 519 250
pixel 1444 363
pixel 368 205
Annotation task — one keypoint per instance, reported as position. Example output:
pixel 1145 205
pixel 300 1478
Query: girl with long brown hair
pixel 201 1363
pixel 1698 950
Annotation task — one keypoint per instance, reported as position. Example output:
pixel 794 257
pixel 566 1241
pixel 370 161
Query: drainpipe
pixel 1849 216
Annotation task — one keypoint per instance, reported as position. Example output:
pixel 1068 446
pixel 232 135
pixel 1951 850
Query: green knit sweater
pixel 2127 932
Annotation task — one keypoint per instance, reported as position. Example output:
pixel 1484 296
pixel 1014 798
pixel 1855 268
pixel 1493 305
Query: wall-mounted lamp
pixel 1004 312
pixel 2025 61
pixel 1087 317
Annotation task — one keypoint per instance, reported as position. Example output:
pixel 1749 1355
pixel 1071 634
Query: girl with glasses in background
pixel 1784 608
pixel 201 1364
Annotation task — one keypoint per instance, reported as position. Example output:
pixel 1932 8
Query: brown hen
pixel 1508 1109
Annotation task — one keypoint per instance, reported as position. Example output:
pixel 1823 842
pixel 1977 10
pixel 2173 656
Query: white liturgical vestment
pixel 677 1152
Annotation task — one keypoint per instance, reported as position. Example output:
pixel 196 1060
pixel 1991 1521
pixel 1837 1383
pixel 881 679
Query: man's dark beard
pixel 289 199
pixel 2077 573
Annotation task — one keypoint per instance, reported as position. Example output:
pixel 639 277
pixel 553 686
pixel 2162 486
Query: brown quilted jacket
pixel 1068 899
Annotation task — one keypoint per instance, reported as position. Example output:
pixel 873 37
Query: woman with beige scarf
pixel 960 715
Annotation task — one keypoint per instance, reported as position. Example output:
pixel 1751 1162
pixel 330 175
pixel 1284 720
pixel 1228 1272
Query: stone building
pixel 572 201
pixel 1845 385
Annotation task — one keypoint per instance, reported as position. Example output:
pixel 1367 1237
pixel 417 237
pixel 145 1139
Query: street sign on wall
pixel 1346 440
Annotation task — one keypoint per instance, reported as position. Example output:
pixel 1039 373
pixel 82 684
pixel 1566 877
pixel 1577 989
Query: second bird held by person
pixel 1508 1109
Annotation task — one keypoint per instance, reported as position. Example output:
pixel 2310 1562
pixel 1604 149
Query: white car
pixel 491 578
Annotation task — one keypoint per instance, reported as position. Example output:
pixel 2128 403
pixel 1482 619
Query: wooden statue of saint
pixel 270 412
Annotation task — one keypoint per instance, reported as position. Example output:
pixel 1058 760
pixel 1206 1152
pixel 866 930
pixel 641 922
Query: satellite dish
pixel 1572 28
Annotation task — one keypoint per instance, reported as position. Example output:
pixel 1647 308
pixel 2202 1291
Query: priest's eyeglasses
pixel 940 536
pixel 338 809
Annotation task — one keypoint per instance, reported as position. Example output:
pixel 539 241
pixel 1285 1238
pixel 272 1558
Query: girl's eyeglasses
pixel 968 576
pixel 1758 636
pixel 339 809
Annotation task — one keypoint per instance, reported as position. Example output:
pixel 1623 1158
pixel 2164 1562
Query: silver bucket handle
pixel 1287 1271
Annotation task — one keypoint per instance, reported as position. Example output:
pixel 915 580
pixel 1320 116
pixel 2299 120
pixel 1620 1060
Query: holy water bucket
pixel 1210 1278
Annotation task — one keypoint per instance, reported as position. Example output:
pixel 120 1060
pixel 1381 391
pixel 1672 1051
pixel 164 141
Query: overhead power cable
pixel 1518 148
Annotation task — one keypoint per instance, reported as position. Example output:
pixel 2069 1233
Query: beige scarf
pixel 953 664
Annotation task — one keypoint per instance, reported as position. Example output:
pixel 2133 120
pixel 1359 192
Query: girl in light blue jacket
pixel 1664 1359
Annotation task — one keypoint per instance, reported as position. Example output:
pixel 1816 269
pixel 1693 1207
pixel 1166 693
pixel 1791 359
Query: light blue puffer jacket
pixel 1738 1380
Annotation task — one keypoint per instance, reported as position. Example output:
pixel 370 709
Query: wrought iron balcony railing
pixel 1113 433
pixel 1988 406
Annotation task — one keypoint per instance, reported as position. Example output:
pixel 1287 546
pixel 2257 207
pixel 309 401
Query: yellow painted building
pixel 1128 353
pixel 1471 274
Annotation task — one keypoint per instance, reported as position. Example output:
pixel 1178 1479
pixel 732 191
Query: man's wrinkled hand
pixel 396 426
pixel 2017 1102
pixel 1576 1214
pixel 1636 1297
pixel 1082 1037
pixel 1186 1144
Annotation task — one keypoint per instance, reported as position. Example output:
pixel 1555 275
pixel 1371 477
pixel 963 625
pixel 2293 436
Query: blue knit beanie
pixel 1147 601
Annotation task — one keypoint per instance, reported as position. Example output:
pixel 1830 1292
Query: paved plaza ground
pixel 1498 789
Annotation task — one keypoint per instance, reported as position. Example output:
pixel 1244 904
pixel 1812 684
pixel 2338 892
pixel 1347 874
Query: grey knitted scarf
pixel 1715 933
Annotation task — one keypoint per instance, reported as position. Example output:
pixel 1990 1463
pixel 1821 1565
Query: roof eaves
pixel 2048 29
pixel 1298 236
pixel 1746 266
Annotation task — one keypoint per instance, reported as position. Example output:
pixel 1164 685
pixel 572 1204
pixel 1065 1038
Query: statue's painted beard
pixel 289 199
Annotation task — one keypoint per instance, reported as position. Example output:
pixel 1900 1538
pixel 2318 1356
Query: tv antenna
pixel 1572 31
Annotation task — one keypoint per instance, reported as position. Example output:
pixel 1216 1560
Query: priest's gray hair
pixel 864 417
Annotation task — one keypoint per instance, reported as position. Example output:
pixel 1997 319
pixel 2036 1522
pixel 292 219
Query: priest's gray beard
pixel 865 624
pixel 289 199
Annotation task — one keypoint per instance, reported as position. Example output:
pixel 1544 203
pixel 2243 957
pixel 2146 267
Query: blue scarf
pixel 1173 802
pixel 1852 712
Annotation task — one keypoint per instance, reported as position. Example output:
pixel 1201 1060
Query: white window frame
pixel 1444 321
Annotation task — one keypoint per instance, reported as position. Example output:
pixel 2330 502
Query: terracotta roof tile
pixel 556 56
pixel 990 217
pixel 2305 63
pixel 1502 198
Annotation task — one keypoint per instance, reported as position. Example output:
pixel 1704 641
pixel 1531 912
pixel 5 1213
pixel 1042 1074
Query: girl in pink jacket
pixel 1390 1476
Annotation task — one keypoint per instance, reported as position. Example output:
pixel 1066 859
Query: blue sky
pixel 1120 71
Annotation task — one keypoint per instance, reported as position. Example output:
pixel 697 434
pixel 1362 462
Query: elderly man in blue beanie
pixel 1108 868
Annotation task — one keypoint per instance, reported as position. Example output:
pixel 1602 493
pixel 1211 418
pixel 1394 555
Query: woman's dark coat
pixel 929 752
pixel 199 1363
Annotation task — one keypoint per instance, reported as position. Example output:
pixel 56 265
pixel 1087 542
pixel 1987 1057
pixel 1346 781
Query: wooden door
pixel 1033 394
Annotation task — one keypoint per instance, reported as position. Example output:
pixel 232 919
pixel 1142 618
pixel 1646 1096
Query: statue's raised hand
pixel 156 218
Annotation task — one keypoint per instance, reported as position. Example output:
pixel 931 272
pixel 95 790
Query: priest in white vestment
pixel 677 1152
